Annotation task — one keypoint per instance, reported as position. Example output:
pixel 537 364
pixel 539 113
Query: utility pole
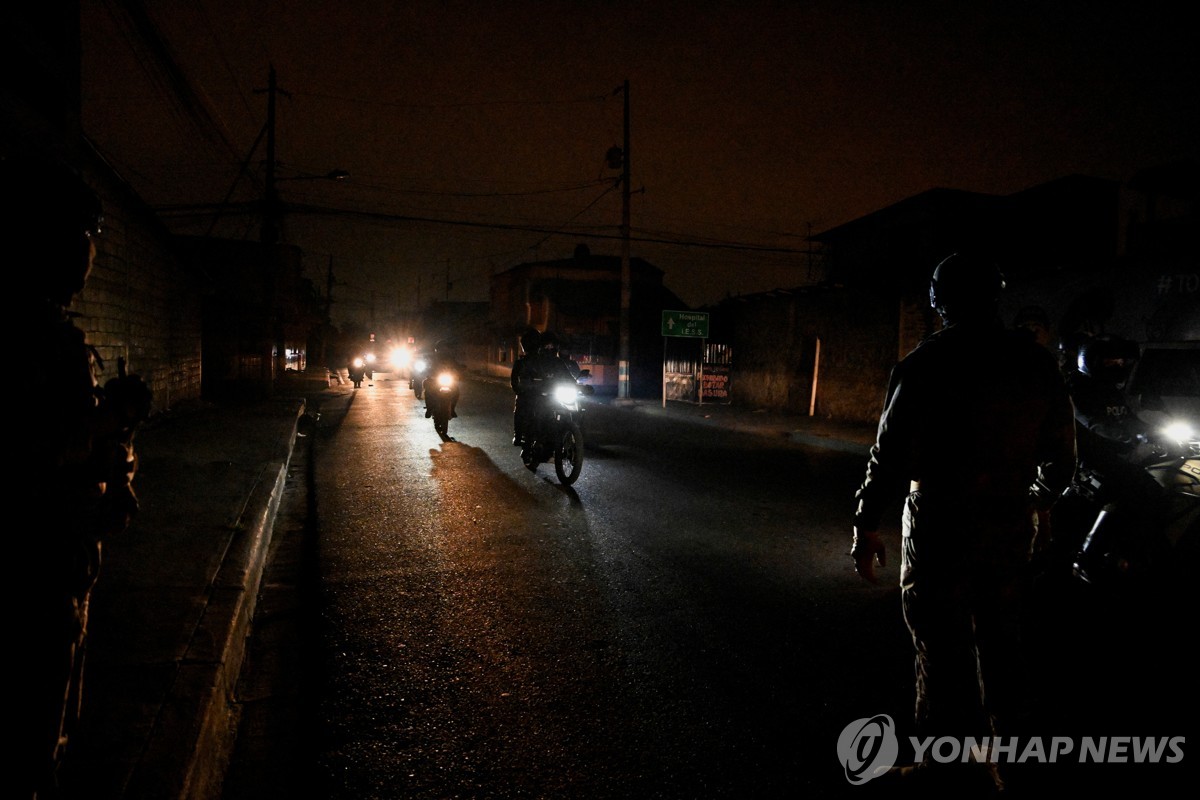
pixel 328 330
pixel 626 271
pixel 270 223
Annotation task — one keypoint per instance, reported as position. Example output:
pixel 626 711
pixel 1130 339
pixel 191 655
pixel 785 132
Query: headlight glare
pixel 1179 432
pixel 566 395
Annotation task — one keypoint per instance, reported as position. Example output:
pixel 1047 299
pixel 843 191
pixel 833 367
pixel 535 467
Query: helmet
pixel 60 212
pixel 1108 358
pixel 529 340
pixel 965 284
pixel 549 342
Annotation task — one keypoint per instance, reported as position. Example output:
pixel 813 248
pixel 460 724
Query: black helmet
pixel 965 283
pixel 529 340
pixel 549 341
pixel 1108 358
pixel 60 212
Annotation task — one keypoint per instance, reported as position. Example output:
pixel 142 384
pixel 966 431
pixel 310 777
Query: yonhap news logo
pixel 868 748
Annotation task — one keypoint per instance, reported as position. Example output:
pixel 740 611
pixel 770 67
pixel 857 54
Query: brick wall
pixel 140 303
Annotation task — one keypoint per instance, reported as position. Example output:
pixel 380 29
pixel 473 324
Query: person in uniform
pixel 82 453
pixel 977 430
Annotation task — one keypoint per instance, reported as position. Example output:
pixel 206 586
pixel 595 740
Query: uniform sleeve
pixel 1058 450
pixel 887 466
pixel 514 376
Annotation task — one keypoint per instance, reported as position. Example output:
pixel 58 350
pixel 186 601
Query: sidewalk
pixel 174 601
pixel 176 593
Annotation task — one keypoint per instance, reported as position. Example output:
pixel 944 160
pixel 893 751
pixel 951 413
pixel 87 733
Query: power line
pixel 382 217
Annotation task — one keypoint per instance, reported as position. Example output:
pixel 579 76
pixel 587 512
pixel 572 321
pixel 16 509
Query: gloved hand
pixel 867 551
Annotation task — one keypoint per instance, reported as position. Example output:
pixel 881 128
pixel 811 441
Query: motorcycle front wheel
pixel 568 454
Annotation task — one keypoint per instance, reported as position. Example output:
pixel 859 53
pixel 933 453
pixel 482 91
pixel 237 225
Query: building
pixel 828 349
pixel 579 299
pixel 259 314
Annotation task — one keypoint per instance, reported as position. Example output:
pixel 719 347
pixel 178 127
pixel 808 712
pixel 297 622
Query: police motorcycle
pixel 557 428
pixel 1131 520
pixel 439 393
pixel 418 372
pixel 357 371
pixel 1134 525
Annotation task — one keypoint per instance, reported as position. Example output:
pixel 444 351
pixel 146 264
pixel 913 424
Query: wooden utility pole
pixel 626 270
pixel 270 224
pixel 328 329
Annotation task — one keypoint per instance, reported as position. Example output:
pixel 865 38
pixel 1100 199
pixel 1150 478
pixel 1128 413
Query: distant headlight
pixel 358 362
pixel 420 365
pixel 401 356
pixel 370 358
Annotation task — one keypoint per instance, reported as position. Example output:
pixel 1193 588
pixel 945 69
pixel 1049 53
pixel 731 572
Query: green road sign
pixel 685 323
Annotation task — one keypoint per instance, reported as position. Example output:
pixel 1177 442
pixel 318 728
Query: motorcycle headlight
pixel 566 395
pixel 445 380
pixel 401 356
pixel 1179 432
pixel 358 362
pixel 370 358
pixel 421 365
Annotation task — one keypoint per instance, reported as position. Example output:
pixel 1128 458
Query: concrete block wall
pixel 140 302
pixel 775 349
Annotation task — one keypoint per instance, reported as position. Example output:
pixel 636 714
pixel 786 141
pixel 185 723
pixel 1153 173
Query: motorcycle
pixel 557 430
pixel 358 369
pixel 1130 528
pixel 439 401
pixel 417 375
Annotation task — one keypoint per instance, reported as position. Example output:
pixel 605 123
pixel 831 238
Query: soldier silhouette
pixel 81 446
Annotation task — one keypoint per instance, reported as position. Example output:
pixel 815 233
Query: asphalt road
pixel 683 622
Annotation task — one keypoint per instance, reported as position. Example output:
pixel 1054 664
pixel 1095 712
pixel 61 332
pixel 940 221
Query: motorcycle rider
pixel 442 360
pixel 1107 430
pixel 419 371
pixel 1106 426
pixel 357 370
pixel 522 399
pixel 976 419
pixel 538 377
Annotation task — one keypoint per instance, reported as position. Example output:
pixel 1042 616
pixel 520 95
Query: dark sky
pixel 753 123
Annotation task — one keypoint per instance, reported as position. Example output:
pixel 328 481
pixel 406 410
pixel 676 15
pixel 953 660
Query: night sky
pixel 753 124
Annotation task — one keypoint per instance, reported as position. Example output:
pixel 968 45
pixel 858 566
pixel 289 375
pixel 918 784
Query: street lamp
pixel 273 207
pixel 332 175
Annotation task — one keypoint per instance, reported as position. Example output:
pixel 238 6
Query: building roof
pixel 584 259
